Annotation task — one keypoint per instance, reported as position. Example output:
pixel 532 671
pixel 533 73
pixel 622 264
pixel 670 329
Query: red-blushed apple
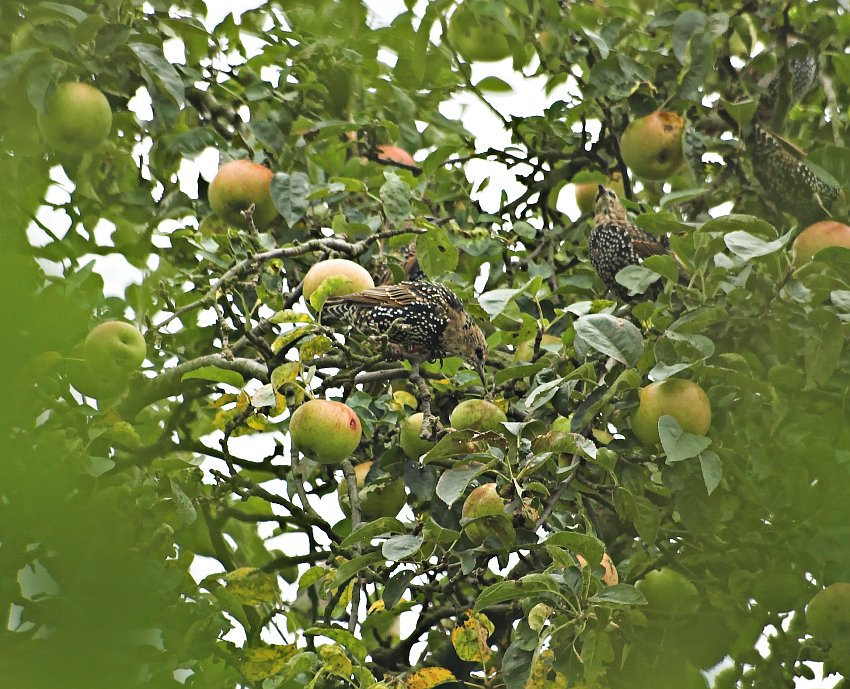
pixel 384 500
pixel 114 349
pixel 238 185
pixel 586 191
pixel 669 592
pixel 483 503
pixel 477 415
pixel 396 154
pixel 610 576
pixel 77 118
pixel 411 444
pixel 820 236
pixel 684 400
pixel 828 613
pixel 353 277
pixel 325 431
pixel 652 145
pixel 477 37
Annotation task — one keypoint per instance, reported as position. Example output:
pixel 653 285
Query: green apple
pixel 478 415
pixel 652 145
pixel 477 37
pixel 237 186
pixel 487 508
pixel 115 349
pixel 325 431
pixel 669 592
pixel 411 444
pixel 682 399
pixel 77 118
pixel 828 613
pixel 586 191
pixel 384 500
pixel 525 349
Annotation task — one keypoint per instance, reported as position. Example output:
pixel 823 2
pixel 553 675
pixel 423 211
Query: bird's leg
pixel 427 432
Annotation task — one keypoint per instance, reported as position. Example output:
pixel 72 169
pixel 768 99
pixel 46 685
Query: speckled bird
pixel 426 320
pixel 791 185
pixel 802 78
pixel 616 242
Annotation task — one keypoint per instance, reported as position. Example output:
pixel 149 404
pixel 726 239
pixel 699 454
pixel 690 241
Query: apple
pixel 548 41
pixel 586 191
pixel 114 349
pixel 385 500
pixel 77 118
pixel 238 185
pixel 525 349
pixel 682 399
pixel 478 415
pixel 477 37
pixel 92 382
pixel 820 236
pixel 396 154
pixel 354 277
pixel 828 613
pixel 652 145
pixel 482 503
pixel 411 444
pixel 325 431
pixel 669 592
pixel 610 577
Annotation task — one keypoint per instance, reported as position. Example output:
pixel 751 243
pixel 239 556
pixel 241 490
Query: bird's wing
pixel 385 295
pixel 645 244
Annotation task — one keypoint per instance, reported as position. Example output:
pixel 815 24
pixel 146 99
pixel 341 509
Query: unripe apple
pixel 325 431
pixel 477 415
pixel 669 592
pixel 610 577
pixel 682 399
pixel 396 154
pixel 525 349
pixel 355 277
pixel 652 145
pixel 411 444
pixel 114 349
pixel 239 184
pixel 383 501
pixel 477 37
pixel 77 118
pixel 484 501
pixel 820 236
pixel 91 383
pixel 586 191
pixel 828 613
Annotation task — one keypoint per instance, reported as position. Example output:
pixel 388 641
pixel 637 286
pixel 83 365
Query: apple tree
pixel 649 484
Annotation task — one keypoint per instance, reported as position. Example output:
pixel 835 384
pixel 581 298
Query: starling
pixel 426 320
pixel 790 184
pixel 802 78
pixel 616 242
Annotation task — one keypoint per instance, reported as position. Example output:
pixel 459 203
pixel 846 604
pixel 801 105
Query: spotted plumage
pixel 616 242
pixel 802 78
pixel 790 184
pixel 426 320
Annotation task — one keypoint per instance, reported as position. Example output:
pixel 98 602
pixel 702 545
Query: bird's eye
pixel 479 352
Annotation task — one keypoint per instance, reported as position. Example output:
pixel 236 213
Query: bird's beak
pixel 479 369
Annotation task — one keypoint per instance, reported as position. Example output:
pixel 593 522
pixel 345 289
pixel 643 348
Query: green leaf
pixel 712 470
pixel 395 198
pixel 290 194
pixel 678 444
pixel 157 69
pixel 341 636
pixel 589 547
pixel 741 111
pixel 366 531
pixel 823 352
pixel 217 375
pixel 748 223
pixel 636 278
pixel 620 594
pixel 185 509
pixel 614 337
pixel 435 252
pixel 525 588
pixel 496 301
pixel 494 84
pixel 747 246
pixel 646 518
pixel 330 286
pixel 453 482
pixel 399 548
pixel 352 567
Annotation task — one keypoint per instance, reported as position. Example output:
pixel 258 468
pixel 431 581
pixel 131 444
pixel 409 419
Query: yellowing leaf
pixel 470 640
pixel 542 676
pixel 401 399
pixel 266 661
pixel 429 677
pixel 251 586
pixel 377 606
pixel 335 661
